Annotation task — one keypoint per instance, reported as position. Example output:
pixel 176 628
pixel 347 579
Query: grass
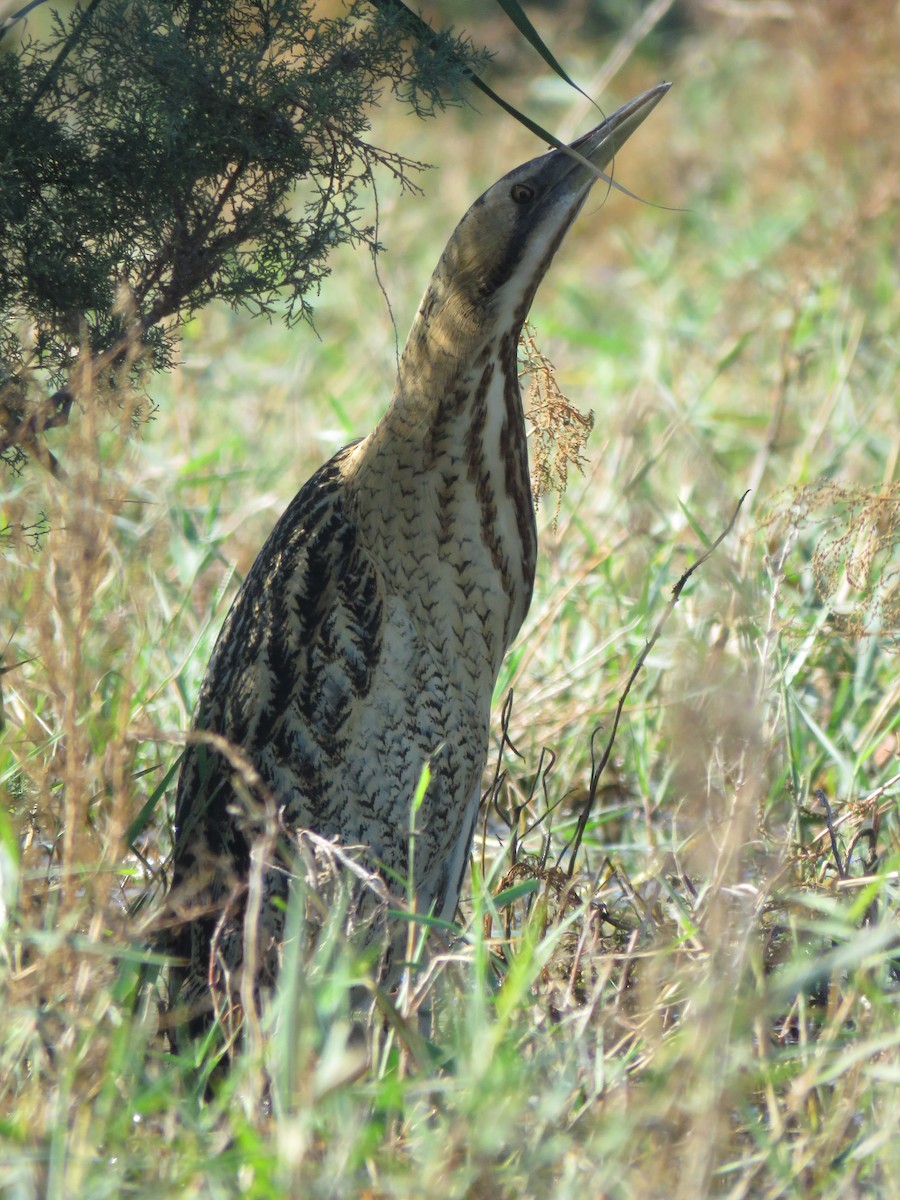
pixel 711 1007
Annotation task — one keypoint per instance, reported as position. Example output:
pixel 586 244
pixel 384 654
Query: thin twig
pixel 598 770
pixel 57 65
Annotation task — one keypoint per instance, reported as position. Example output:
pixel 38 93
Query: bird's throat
pixel 442 483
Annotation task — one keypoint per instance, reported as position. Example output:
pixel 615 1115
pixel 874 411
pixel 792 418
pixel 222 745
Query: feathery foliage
pixel 159 155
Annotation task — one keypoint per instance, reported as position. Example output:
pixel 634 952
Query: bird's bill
pixel 601 144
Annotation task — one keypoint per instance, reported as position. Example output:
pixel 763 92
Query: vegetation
pixel 158 156
pixel 710 1005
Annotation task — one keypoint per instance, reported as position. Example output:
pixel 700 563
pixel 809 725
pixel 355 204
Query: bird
pixel 359 658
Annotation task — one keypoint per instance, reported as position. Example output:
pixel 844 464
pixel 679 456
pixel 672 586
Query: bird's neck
pixel 446 336
pixel 446 469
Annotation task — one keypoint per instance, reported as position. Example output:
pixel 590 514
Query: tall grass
pixel 709 1005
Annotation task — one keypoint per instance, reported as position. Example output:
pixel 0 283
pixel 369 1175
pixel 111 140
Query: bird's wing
pixel 296 648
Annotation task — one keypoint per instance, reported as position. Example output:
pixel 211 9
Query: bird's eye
pixel 522 193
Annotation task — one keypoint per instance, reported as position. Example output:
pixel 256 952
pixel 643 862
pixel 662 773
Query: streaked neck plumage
pixel 444 476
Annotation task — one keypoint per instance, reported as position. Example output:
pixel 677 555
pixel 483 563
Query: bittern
pixel 366 640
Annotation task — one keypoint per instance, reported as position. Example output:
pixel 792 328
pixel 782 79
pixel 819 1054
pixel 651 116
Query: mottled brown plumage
pixel 367 638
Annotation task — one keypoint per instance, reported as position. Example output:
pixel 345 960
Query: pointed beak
pixel 606 139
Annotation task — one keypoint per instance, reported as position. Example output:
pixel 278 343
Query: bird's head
pixel 502 247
